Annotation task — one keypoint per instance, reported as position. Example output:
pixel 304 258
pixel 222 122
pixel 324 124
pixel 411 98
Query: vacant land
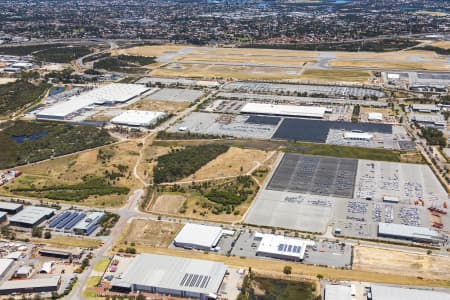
pixel 442 44
pixel 392 65
pixel 234 162
pixel 124 63
pixel 62 54
pixel 149 160
pixel 17 94
pixel 165 106
pixel 7 80
pixel 66 241
pixel 335 75
pixel 248 59
pixel 148 234
pixel 168 204
pixel 26 142
pixel 112 164
pixel 402 263
pixel 26 50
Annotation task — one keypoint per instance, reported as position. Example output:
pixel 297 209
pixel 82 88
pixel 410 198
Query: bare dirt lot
pixel 149 233
pixel 234 162
pixel 168 203
pixel 336 75
pixel 7 80
pixel 399 262
pixel 165 106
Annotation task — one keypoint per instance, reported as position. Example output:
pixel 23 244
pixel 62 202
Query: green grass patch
pixel 16 95
pixel 180 163
pixel 101 264
pixel 343 151
pixel 44 140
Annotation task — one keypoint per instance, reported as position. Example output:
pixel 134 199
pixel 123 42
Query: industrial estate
pixel 243 167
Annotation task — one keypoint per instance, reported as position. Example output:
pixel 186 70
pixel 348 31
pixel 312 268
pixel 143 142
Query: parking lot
pixel 176 95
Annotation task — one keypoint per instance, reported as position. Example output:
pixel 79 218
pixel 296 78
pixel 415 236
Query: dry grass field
pixel 72 168
pixel 401 263
pixel 336 75
pixel 149 50
pixel 275 268
pixel 7 80
pixel 228 71
pixel 234 162
pixel 168 204
pixel 148 161
pixel 148 234
pixel 165 106
pixel 435 65
pixel 66 241
pixel 442 44
pixel 249 60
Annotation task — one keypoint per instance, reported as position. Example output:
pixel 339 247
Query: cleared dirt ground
pixel 402 263
pixel 336 75
pixel 234 162
pixel 165 106
pixel 149 233
pixel 7 80
pixel 168 204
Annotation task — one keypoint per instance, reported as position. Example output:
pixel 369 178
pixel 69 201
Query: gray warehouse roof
pixel 29 283
pixel 10 206
pixel 406 231
pixel 200 235
pixel 380 292
pixel 31 214
pixel 338 292
pixel 174 273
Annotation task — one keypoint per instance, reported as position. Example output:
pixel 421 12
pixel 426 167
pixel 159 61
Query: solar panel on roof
pixel 74 221
pixel 59 219
pixel 280 247
pixel 91 230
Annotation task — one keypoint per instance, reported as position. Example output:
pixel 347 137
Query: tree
pixel 287 270
pixel 319 276
pixel 36 232
pixel 141 297
pixel 47 235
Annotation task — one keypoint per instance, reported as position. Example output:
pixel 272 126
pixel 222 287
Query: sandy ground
pixel 168 204
pixel 442 44
pixel 397 65
pixel 402 263
pixel 234 162
pixel 7 80
pixel 165 106
pixel 336 75
pixel 149 233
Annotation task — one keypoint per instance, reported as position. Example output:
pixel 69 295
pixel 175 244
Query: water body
pixel 23 138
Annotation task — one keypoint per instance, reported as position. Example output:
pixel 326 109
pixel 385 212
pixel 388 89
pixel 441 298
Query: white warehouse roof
pixel 425 107
pixel 198 235
pixel 138 117
pixel 338 292
pixel 279 245
pixel 173 274
pixel 351 135
pixel 284 110
pixel 395 293
pixel 5 264
pixel 375 116
pixel 407 232
pixel 112 93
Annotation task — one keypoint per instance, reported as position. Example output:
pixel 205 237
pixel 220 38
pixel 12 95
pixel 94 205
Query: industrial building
pixel 375 116
pixel 105 95
pixel 406 232
pixel 168 275
pixel 31 216
pixel 379 292
pixel 5 266
pixel 26 286
pixel 2 216
pixel 138 118
pixel 89 224
pixel 60 253
pixel 10 208
pixel 427 108
pixel 337 292
pixel 315 112
pixel 282 247
pixel 197 236
pixel 358 136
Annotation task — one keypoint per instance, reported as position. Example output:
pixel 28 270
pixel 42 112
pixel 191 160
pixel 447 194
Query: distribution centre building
pixel 201 237
pixel 31 216
pixel 138 118
pixel 316 112
pixel 282 247
pixel 169 275
pixel 26 286
pixel 337 292
pixel 10 208
pixel 105 95
pixel 406 232
pixel 380 292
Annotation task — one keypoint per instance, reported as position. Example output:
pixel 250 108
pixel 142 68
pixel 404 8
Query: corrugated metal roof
pixel 5 264
pixel 10 206
pixel 380 292
pixel 284 110
pixel 197 234
pixel 406 231
pixel 138 117
pixel 338 292
pixel 175 273
pixel 29 283
pixel 31 214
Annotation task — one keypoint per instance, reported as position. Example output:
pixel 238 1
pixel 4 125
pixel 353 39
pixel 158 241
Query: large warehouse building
pixel 282 247
pixel 379 292
pixel 201 237
pixel 10 208
pixel 31 216
pixel 406 232
pixel 25 286
pixel 316 112
pixel 5 266
pixel 138 118
pixel 105 95
pixel 168 275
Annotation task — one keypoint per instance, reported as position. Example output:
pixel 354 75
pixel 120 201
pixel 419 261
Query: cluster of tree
pixel 62 54
pixel 91 186
pixel 438 50
pixel 434 136
pixel 180 163
pixel 15 95
pixel 66 76
pixel 187 135
pixel 124 63
pixel 44 140
pixel 372 46
pixel 232 193
pixel 26 50
pixel 355 113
